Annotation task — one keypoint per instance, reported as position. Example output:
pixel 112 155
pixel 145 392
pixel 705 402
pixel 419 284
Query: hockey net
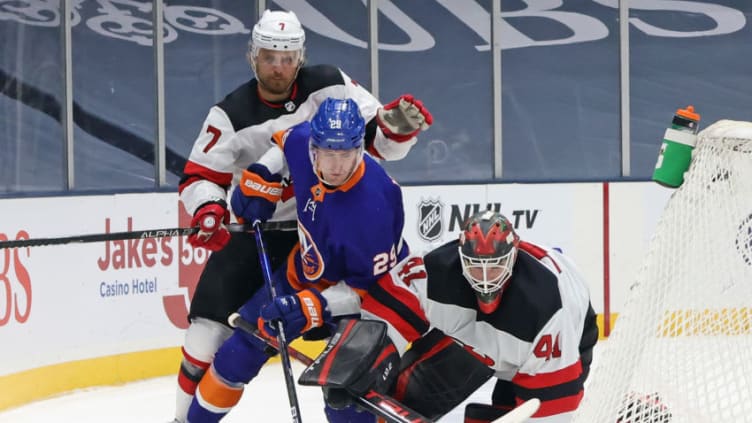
pixel 681 350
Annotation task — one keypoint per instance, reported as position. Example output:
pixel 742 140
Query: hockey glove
pixel 403 118
pixel 211 218
pixel 360 357
pixel 298 313
pixel 256 196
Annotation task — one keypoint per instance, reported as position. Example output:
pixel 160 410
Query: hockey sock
pixel 202 339
pixel 237 361
pixel 191 372
pixel 214 398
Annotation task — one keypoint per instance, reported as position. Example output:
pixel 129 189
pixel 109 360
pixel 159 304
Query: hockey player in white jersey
pixel 236 132
pixel 515 308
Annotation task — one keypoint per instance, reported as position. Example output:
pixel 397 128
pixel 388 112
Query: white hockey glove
pixel 403 118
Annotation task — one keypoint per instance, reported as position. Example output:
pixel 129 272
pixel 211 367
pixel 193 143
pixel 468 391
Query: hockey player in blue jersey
pixel 350 221
pixel 235 134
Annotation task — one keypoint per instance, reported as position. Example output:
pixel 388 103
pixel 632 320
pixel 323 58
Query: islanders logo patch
pixel 310 258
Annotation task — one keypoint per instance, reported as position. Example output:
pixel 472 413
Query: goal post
pixel 681 349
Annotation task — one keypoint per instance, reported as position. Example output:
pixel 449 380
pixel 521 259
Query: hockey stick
pixel 292 396
pixel 148 233
pixel 381 405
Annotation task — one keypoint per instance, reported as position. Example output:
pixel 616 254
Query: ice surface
pixel 153 401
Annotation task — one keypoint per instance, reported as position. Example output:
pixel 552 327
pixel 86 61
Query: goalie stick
pixel 382 405
pixel 148 233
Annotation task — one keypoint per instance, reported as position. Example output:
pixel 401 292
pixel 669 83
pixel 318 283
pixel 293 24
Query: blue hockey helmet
pixel 338 125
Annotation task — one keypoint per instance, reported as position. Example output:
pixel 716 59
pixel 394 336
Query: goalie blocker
pixel 435 375
pixel 359 357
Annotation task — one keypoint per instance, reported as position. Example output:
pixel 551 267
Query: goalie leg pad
pixel 348 415
pixel 437 374
pixel 504 394
pixel 484 413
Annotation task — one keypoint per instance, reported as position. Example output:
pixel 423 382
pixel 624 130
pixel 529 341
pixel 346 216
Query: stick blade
pixel 521 412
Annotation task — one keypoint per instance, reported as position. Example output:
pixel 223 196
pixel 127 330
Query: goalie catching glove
pixel 403 118
pixel 256 196
pixel 298 312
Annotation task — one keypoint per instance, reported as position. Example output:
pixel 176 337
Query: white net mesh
pixel 681 350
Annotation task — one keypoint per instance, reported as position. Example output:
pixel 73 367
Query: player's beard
pixel 276 84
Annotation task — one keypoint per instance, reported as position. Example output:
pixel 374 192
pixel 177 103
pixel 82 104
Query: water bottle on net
pixel 676 149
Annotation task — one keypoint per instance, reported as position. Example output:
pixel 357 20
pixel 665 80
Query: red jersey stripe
pixel 220 178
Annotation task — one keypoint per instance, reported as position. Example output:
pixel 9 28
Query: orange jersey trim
pixel 280 137
pixel 320 190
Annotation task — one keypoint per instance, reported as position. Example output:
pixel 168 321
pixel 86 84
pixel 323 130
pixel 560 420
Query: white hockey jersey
pixel 238 130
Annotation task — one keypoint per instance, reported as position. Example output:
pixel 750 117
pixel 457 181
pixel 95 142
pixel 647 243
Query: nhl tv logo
pixel 430 223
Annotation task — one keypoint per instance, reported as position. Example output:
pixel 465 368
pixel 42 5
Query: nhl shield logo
pixel 430 225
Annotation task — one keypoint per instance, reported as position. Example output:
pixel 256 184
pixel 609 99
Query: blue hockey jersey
pixel 350 233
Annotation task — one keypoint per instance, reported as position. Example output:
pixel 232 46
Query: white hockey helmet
pixel 278 30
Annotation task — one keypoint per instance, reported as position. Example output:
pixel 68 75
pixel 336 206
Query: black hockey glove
pixel 359 358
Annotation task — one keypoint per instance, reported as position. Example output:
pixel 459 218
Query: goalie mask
pixel 336 145
pixel 488 250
